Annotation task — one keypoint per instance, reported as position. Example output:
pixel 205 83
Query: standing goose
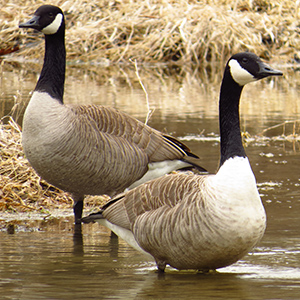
pixel 88 150
pixel 201 222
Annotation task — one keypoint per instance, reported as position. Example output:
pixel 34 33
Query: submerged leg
pixel 78 207
pixel 161 265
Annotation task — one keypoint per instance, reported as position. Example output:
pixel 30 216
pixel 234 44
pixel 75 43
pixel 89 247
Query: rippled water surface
pixel 49 259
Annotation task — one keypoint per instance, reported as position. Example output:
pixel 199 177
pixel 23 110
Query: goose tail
pixel 189 157
pixel 98 215
pixel 92 217
pixel 195 162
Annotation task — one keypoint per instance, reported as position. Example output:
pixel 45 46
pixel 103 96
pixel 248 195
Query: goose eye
pixel 50 14
pixel 244 60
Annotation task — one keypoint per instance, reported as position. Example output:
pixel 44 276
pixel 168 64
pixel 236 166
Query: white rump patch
pixel 239 74
pixel 54 26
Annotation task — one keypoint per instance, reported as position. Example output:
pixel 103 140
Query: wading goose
pixel 200 222
pixel 88 150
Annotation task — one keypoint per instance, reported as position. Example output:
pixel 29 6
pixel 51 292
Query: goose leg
pixel 161 265
pixel 78 207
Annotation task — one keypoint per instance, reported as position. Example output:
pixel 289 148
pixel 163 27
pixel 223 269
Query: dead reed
pixel 181 31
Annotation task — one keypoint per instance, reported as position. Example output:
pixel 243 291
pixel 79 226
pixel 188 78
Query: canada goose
pixel 192 221
pixel 88 150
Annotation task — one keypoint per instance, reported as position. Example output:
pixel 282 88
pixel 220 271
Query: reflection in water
pixel 46 265
pixel 78 239
pixel 113 245
pixel 78 246
pixel 52 259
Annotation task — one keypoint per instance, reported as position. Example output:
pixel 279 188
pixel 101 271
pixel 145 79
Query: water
pixel 48 259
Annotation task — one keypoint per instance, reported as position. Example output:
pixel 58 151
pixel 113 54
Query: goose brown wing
pixel 117 125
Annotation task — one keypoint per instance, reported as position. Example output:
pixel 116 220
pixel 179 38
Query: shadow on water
pixel 52 259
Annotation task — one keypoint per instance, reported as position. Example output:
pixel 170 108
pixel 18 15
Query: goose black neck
pixel 229 121
pixel 52 76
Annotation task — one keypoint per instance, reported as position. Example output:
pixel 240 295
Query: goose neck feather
pixel 229 121
pixel 52 76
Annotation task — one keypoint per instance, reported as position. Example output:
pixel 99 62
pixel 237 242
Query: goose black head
pixel 48 19
pixel 246 67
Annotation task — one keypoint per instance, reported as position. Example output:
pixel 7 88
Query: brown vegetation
pixel 181 31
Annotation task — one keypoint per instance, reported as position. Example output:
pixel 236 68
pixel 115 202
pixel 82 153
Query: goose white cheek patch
pixel 54 26
pixel 239 74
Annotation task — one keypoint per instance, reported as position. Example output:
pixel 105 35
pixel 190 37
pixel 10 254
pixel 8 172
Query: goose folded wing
pixel 120 126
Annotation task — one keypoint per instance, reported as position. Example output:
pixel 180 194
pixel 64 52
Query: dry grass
pixel 178 31
pixel 21 189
